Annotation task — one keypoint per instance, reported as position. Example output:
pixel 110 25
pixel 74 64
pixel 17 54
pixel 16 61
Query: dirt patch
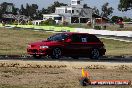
pixel 55 74
pixel 25 64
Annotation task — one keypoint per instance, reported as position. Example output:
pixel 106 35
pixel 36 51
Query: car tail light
pixel 103 47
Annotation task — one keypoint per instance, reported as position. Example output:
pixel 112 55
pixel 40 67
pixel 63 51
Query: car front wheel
pixel 95 54
pixel 56 53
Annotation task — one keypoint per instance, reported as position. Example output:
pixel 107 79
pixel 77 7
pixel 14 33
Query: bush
pixel 97 27
pixel 15 22
pixel 30 23
pixel 48 22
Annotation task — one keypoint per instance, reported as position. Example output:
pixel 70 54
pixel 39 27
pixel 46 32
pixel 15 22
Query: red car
pixel 73 45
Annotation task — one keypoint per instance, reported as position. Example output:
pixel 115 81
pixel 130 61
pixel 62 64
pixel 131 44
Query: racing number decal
pixel 84 39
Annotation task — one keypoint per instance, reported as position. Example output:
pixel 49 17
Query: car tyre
pixel 37 56
pixel 56 53
pixel 95 54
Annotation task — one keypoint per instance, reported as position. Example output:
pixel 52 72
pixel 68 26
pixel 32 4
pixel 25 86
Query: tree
pixel 39 15
pixel 51 9
pixel 115 19
pixel 15 10
pixel 3 7
pixel 85 6
pixel 96 11
pixel 27 10
pixel 8 8
pixel 106 10
pixel 22 10
pixel 44 11
pixel 30 10
pixel 33 10
pixel 125 5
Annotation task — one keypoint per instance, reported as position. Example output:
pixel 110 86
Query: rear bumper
pixel 102 52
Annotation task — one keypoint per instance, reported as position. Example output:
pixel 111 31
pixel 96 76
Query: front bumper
pixel 43 52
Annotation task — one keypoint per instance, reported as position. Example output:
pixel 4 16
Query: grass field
pixel 16 41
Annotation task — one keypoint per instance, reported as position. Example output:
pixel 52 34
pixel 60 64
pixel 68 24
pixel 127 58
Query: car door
pixel 83 45
pixel 92 43
pixel 73 47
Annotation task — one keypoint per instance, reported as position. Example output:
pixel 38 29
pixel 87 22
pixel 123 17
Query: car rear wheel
pixel 37 56
pixel 95 54
pixel 56 53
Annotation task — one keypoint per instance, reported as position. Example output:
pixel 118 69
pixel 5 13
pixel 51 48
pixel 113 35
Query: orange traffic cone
pixel 85 79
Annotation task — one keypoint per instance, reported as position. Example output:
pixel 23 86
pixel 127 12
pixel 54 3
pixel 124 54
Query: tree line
pixel 31 11
pixel 34 13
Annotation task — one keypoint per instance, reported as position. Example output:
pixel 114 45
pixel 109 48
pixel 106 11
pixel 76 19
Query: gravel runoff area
pixel 59 74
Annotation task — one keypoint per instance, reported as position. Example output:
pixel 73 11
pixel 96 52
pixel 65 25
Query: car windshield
pixel 58 37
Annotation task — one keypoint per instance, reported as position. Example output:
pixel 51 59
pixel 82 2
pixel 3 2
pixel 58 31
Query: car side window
pixel 76 38
pixel 58 37
pixel 92 38
pixel 83 38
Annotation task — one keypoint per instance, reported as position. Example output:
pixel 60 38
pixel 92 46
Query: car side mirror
pixel 68 40
pixel 48 38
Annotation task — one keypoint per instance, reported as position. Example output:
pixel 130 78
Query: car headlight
pixel 43 47
pixel 29 46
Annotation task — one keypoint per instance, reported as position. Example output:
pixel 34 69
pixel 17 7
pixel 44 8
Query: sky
pixel 90 3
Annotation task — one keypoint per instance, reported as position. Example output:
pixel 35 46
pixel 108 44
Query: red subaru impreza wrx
pixel 73 45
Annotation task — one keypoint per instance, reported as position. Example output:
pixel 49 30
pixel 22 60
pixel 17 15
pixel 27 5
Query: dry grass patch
pixel 115 47
pixel 16 41
pixel 116 28
pixel 57 77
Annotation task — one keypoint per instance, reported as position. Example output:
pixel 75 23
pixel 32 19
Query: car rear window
pixel 84 38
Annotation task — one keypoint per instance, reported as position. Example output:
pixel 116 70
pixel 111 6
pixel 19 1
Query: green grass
pixel 14 42
pixel 46 27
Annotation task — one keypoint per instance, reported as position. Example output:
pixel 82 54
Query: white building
pixel 36 22
pixel 75 13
